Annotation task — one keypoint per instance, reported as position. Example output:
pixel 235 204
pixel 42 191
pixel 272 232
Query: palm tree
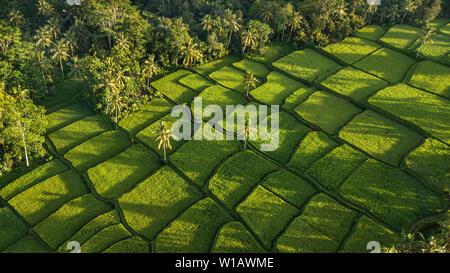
pixel 164 136
pixel 207 23
pixel 410 6
pixel 77 68
pixel 425 37
pixel 44 8
pixel 248 39
pixel 190 53
pixel 16 18
pixel 70 37
pixel 232 23
pixel 45 66
pixel 122 42
pixel 340 10
pixel 60 54
pixel 249 81
pixel 54 26
pixel 117 105
pixel 150 68
pixel 246 133
pixel 295 22
pixel 20 93
pixel 43 37
pixel 370 11
pixel 394 14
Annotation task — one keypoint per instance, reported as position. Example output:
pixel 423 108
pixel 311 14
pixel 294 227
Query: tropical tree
pixel 45 67
pixel 43 37
pixel 45 8
pixel 150 68
pixel 77 68
pixel 164 136
pixel 16 18
pixel 424 38
pixel 54 27
pixel 117 105
pixel 122 42
pixel 207 23
pixel 231 21
pixel 249 39
pixel 409 6
pixel 70 37
pixel 394 14
pixel 246 133
pixel 190 52
pixel 295 22
pixel 250 81
pixel 60 53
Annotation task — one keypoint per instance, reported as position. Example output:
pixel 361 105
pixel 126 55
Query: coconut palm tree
pixel 150 68
pixel 16 18
pixel 232 23
pixel 45 8
pixel 60 53
pixel 54 26
pixel 394 14
pixel 43 37
pixel 410 6
pixel 77 68
pixel 246 133
pixel 295 22
pixel 45 66
pixel 249 81
pixel 70 37
pixel 207 23
pixel 122 42
pixel 248 39
pixel 425 37
pixel 164 136
pixel 190 53
pixel 117 105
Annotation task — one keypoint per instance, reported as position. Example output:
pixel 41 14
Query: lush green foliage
pixel 234 238
pixel 382 138
pixel 170 87
pixel 220 96
pixel 229 77
pixel 67 115
pixel 351 49
pixel 297 97
pixel 425 110
pixel 401 36
pixel 258 69
pixel 27 244
pixel 12 228
pixel 370 32
pixel 326 111
pixel 195 82
pixel 354 83
pixel 210 67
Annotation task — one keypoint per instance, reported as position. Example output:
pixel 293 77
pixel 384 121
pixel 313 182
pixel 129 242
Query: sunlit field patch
pixel 234 238
pixel 432 77
pixel 170 87
pixel 258 69
pixel 67 115
pixel 370 32
pixel 401 36
pixel 351 49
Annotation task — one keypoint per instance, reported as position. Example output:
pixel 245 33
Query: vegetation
pixel 432 77
pixel 351 49
pixel 234 238
pixel 276 89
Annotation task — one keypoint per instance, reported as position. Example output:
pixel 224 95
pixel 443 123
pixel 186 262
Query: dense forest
pixel 115 47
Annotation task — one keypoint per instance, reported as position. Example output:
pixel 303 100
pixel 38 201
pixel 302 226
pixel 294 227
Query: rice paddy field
pixel 364 154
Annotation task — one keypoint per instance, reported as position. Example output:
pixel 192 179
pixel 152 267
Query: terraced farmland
pixel 364 154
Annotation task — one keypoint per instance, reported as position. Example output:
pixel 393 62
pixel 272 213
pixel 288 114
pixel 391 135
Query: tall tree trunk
pixel 62 69
pixel 116 116
pixel 403 18
pixel 24 143
pixel 165 156
pixel 229 39
pixel 290 33
pixel 45 82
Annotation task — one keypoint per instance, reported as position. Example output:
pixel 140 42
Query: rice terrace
pixel 363 156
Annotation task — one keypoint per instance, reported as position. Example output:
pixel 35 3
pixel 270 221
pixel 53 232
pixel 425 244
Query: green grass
pixel 78 132
pixel 220 96
pixel 305 64
pixel 234 238
pixel 290 134
pixel 390 194
pixel 332 169
pixel 315 145
pixel 436 48
pixel 387 64
pixel 67 115
pixel 351 49
pixel 105 238
pixel 121 173
pixel 432 77
pixel 231 78
pixel 11 228
pixel 64 93
pixel 195 82
pixel 91 228
pixel 190 157
pixel 272 52
pixel 41 200
pixel 382 138
pixel 327 111
pixel 237 176
pixel 266 214
pixel 445 29
pixel 425 110
pixel 289 187
pixel 354 83
pixel 258 69
pixel 149 134
pixel 68 219
pixel 366 231
pixel 194 230
pixel 326 215
pixel 439 22
pixel 131 245
pixel 152 111
pixel 157 201
pixel 370 32
pixel 430 161
pixel 300 237
pixel 401 36
pixel 297 97
pixel 98 149
pixel 32 178
pixel 170 87
pixel 276 89
pixel 208 68
pixel 27 244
